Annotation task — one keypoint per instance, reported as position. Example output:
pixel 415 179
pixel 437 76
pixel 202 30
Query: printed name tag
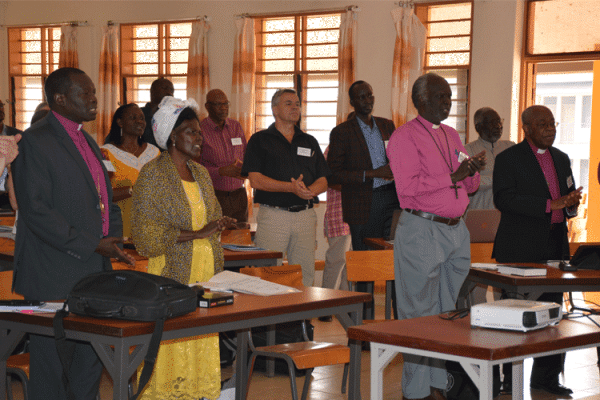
pixel 462 157
pixel 303 151
pixel 108 165
pixel 569 181
pixel 236 141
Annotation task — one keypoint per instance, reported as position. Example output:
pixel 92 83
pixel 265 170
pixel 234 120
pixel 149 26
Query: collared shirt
pixel 92 162
pixel 376 148
pixel 422 172
pixel 544 158
pixel 334 225
pixel 483 199
pixel 221 147
pixel 270 153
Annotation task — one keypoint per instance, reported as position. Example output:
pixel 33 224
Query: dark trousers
pixel 383 204
pixel 234 204
pixel 545 370
pixel 45 382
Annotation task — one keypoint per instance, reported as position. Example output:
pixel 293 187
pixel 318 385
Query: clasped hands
pixel 469 167
pixel 568 200
pixel 233 170
pixel 300 189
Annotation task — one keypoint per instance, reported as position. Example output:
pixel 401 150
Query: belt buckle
pixel 296 208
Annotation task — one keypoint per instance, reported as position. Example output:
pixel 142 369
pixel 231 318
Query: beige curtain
pixel 244 65
pixel 346 62
pixel 197 75
pixel 68 56
pixel 409 60
pixel 108 81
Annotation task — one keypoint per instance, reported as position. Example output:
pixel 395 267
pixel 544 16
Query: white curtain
pixel 346 62
pixel 198 82
pixel 67 56
pixel 108 81
pixel 409 61
pixel 244 67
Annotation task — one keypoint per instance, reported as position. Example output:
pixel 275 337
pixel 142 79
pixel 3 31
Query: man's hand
pixel 300 189
pixel 568 200
pixel 232 170
pixel 384 172
pixel 108 248
pixel 469 167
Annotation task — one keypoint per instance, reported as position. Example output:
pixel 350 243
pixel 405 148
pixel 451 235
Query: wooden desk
pixel 477 349
pixel 112 339
pixel 480 252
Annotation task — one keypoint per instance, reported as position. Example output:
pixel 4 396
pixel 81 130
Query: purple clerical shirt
pixel 221 147
pixel 92 162
pixel 421 165
pixel 544 158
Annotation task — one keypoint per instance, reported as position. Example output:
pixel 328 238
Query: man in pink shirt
pixel 432 253
pixel 222 155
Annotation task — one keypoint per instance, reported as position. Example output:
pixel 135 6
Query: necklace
pixel 447 162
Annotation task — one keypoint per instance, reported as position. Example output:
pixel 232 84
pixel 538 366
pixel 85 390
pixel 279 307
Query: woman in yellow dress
pixel 128 153
pixel 176 223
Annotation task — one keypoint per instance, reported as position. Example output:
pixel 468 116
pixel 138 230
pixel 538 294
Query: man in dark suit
pixel 534 189
pixel 68 226
pixel 358 161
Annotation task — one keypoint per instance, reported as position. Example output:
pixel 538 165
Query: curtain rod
pixel 406 4
pixel 205 18
pixel 347 8
pixel 72 23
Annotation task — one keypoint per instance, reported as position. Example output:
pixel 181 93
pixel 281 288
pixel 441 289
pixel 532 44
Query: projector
pixel 517 315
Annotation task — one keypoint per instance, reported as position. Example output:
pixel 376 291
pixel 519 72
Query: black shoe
pixel 326 318
pixel 554 388
pixel 506 388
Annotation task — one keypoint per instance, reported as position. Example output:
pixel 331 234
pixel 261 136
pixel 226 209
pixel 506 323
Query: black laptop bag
pixel 128 295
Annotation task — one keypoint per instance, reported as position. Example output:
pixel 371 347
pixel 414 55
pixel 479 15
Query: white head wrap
pixel 165 117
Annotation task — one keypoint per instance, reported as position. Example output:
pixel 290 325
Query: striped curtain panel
pixel 409 59
pixel 67 56
pixel 197 72
pixel 108 81
pixel 244 65
pixel 346 62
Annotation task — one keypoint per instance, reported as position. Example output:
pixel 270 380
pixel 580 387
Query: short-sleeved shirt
pixel 269 153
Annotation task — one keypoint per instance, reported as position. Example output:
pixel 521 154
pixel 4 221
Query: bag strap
pixel 65 352
pixel 150 358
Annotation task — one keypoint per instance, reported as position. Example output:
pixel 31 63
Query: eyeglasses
pixel 547 125
pixel 219 105
pixel 496 123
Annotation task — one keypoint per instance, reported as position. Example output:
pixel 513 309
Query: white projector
pixel 517 315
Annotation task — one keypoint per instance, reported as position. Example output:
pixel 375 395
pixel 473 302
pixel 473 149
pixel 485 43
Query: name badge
pixel 385 143
pixel 236 141
pixel 304 152
pixel 569 181
pixel 108 165
pixel 462 157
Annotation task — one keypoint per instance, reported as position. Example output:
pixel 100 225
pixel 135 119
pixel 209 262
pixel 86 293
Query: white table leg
pixel 517 380
pixel 381 356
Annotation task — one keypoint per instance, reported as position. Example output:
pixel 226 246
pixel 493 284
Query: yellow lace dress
pixel 188 368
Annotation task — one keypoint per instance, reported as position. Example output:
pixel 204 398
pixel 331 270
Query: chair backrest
pixel 289 275
pixel 370 265
pixel 5 286
pixel 236 236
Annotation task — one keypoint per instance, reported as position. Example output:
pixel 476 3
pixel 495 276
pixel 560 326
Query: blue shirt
pixel 376 148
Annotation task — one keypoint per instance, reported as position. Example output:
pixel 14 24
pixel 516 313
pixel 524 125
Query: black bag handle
pixel 65 352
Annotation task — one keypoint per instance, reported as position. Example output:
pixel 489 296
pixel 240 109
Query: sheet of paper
pixel 228 280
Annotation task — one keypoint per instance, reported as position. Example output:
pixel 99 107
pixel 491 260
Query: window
pixel 448 54
pixel 33 55
pixel 299 52
pixel 152 51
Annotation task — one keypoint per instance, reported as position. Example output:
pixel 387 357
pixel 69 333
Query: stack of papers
pixel 241 247
pixel 506 269
pixel 22 307
pixel 227 280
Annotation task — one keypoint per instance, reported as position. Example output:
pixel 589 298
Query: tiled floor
pixel 582 375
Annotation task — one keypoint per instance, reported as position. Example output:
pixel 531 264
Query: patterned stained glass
pixel 33 69
pixel 278 52
pixel 145 69
pixel 183 29
pixel 275 39
pixel 145 44
pixel 178 69
pixel 180 43
pixel 322 36
pixel 145 57
pixel 271 25
pixel 31 46
pixel 178 56
pixel 330 50
pixel 32 34
pixel 323 22
pixel 145 31
pixel 322 65
pixel 31 58
pixel 438 60
pixel 448 44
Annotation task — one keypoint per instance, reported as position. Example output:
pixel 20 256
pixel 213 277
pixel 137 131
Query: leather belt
pixel 296 208
pixel 434 217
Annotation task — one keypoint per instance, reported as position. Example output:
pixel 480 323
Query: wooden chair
pixel 17 364
pixel 304 355
pixel 370 266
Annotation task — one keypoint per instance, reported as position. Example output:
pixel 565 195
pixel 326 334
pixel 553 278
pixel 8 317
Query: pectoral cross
pixel 456 187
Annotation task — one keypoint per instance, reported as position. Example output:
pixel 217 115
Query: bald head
pixel 539 126
pixel 217 106
pixel 160 88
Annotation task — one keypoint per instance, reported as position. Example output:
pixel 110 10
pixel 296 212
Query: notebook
pixel 482 225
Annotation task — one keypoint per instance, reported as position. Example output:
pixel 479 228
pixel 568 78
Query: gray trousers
pixel 334 274
pixel 294 233
pixel 431 262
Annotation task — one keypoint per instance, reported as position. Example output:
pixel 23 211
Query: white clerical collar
pixel 540 151
pixel 434 126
